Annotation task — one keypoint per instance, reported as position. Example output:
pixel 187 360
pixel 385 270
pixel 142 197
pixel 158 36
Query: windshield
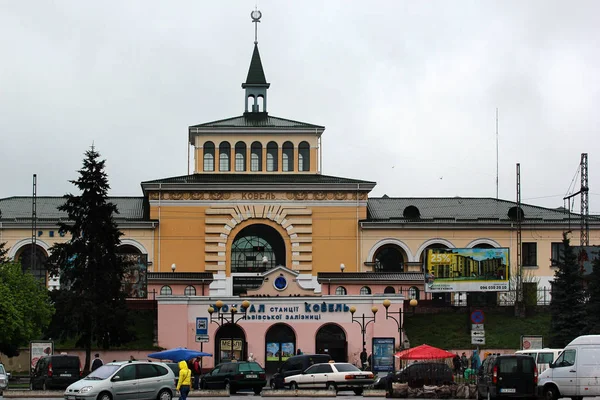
pixel 2 369
pixel 346 367
pixel 103 372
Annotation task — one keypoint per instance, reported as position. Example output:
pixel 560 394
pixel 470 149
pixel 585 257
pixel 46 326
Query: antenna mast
pixel 34 223
pixel 585 209
pixel 496 153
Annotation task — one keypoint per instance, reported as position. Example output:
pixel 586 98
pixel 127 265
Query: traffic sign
pixel 201 326
pixel 477 327
pixel 477 334
pixel 477 317
pixel 477 340
pixel 202 338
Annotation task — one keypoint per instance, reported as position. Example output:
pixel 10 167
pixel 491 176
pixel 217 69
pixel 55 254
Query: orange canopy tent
pixel 423 352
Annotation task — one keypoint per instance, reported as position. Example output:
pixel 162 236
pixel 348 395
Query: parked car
pixel 294 366
pixel 55 372
pixel 234 376
pixel 175 368
pixel 513 375
pixel 417 375
pixel 331 376
pixel 543 357
pixel 574 373
pixel 4 377
pixel 144 380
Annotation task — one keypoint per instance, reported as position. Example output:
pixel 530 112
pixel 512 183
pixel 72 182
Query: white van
pixel 575 372
pixel 543 357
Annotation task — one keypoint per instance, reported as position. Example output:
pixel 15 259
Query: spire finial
pixel 255 15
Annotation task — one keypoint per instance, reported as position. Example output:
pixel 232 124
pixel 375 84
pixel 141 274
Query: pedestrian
pixel 363 358
pixel 456 363
pixel 97 363
pixel 185 379
pixel 464 361
pixel 251 357
pixel 370 362
pixel 131 358
pixel 299 352
pixel 475 361
pixel 197 372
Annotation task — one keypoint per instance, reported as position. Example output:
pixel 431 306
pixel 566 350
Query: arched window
pixel 389 258
pixel 340 291
pixel 389 289
pixel 240 156
pixel 166 290
pixel 365 290
pixel 190 291
pixel 33 262
pixel 413 293
pixel 272 156
pixel 288 157
pixel 256 157
pixel 303 156
pixel 224 155
pixel 209 156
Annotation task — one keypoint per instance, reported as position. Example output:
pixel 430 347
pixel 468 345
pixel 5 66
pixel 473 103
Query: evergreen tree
pixel 567 307
pixel 593 303
pixel 90 304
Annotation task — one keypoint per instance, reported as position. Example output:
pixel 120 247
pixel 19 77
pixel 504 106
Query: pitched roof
pixel 18 208
pixel 457 209
pixel 256 74
pixel 268 179
pixel 323 277
pixel 263 121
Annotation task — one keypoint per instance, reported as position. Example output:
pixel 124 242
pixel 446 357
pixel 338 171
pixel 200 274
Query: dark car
pixel 417 375
pixel 512 375
pixel 55 372
pixel 294 366
pixel 234 376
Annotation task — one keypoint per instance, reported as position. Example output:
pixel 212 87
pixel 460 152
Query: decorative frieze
pixel 258 196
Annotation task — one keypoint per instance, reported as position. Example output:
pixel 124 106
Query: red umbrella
pixel 423 352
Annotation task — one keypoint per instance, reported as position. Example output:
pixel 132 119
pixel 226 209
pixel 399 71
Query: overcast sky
pixel 407 91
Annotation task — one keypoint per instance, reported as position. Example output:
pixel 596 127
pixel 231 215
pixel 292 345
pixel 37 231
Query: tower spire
pixel 256 83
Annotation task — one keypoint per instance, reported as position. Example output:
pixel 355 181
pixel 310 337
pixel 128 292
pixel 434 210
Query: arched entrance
pixel 280 344
pixel 33 261
pixel 389 258
pixel 223 338
pixel 256 248
pixel 331 339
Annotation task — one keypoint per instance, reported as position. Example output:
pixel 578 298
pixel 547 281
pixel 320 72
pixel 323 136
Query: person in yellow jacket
pixel 185 380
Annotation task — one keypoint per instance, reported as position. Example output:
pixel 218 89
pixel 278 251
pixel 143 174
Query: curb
pixel 298 393
pixel 35 394
pixel 374 393
pixel 208 393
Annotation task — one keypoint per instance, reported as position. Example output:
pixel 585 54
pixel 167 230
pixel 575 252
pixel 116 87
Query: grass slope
pixel 453 330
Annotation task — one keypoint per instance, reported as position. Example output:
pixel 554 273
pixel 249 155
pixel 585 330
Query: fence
pixel 540 296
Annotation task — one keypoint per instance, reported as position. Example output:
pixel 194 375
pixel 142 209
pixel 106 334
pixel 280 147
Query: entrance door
pixel 280 344
pixel 224 351
pixel 331 339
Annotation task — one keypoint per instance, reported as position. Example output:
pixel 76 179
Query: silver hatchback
pixel 144 380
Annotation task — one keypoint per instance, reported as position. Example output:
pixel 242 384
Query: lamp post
pixel 363 321
pixel 173 266
pixel 223 318
pixel 399 320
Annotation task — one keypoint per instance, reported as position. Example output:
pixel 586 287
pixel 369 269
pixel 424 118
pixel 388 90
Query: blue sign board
pixel 477 317
pixel 201 326
pixel 383 354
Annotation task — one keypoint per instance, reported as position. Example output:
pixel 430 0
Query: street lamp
pixel 400 320
pixel 223 318
pixel 363 321
pixel 265 261
pixel 342 267
pixel 173 266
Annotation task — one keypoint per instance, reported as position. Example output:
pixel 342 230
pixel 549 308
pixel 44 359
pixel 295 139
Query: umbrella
pixel 178 354
pixel 423 352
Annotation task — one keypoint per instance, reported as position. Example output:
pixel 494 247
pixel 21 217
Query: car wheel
pixel 331 386
pixel 257 390
pixel 44 386
pixel 202 385
pixel 229 388
pixel 31 386
pixel 272 384
pixel 164 395
pixel 358 392
pixel 104 396
pixel 550 393
pixel 489 396
pixel 294 386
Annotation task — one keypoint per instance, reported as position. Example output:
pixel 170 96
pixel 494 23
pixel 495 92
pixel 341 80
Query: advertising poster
pixel 532 342
pixel 273 351
pixel 467 270
pixel 40 349
pixel 287 350
pixel 383 354
pixel 135 280
pixel 585 257
pixel 226 353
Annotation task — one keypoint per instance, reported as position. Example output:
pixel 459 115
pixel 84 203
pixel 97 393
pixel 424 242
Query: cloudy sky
pixel 407 91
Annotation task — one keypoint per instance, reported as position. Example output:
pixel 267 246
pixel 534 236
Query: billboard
pixel 39 349
pixel 383 354
pixel 135 279
pixel 467 270
pixel 585 257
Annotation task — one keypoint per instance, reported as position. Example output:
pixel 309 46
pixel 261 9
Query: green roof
pixel 482 210
pixel 256 74
pixel 265 121
pixel 18 208
pixel 275 179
